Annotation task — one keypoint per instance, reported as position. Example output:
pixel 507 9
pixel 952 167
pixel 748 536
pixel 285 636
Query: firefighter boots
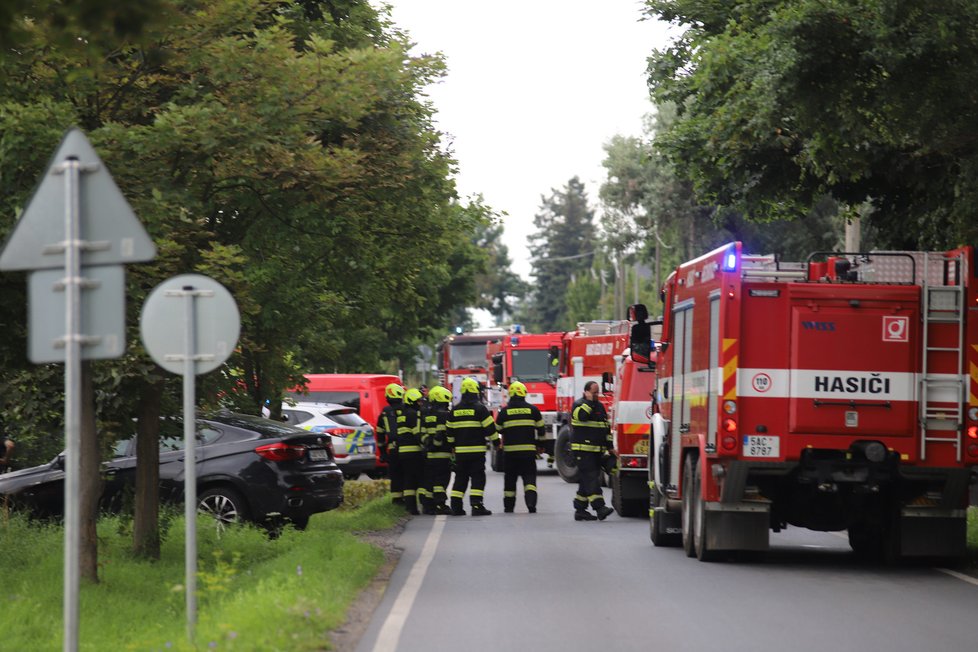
pixel 580 515
pixel 479 509
pixel 604 512
pixel 443 509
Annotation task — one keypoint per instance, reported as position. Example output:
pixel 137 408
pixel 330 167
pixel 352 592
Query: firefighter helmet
pixel 470 386
pixel 439 394
pixel 412 396
pixel 516 388
pixel 394 390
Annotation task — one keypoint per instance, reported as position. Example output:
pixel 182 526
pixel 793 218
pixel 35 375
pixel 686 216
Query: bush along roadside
pixel 254 592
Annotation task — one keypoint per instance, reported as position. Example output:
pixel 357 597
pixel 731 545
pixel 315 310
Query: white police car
pixel 354 445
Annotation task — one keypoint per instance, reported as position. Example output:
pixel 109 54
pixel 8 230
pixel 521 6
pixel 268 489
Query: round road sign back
pixel 215 328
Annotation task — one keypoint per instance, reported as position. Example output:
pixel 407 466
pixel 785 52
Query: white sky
pixel 534 89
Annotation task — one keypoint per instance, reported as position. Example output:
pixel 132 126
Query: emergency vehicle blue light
pixel 514 340
pixel 730 262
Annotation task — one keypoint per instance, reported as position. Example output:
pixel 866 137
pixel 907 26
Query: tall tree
pixel 784 102
pixel 562 246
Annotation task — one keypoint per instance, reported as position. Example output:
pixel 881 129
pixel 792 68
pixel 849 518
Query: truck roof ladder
pixel 943 318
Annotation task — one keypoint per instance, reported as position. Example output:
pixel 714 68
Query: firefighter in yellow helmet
pixel 387 436
pixel 410 454
pixel 470 428
pixel 438 463
pixel 521 427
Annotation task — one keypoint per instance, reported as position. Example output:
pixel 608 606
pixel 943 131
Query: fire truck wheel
pixel 564 457
pixel 703 552
pixel 626 507
pixel 688 491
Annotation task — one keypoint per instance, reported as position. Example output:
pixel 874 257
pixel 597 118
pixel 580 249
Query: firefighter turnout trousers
pixel 412 474
pixel 520 465
pixel 469 466
pixel 589 481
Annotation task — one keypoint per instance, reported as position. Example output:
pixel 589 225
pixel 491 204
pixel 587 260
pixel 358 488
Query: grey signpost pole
pixel 79 213
pixel 201 343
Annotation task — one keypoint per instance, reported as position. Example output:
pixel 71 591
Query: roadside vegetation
pixel 255 593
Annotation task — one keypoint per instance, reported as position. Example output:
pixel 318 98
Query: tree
pixel 282 148
pixel 783 103
pixel 561 247
pixel 498 288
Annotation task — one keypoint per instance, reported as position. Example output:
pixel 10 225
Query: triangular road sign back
pixel 105 216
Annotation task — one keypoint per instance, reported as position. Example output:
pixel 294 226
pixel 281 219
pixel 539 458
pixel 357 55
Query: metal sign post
pixel 76 220
pixel 209 329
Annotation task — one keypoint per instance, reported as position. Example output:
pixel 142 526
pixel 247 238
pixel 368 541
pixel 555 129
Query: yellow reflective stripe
pixel 487 421
pixel 409 492
pixel 516 423
pixel 580 497
pixel 438 490
pixel 515 448
pixel 494 436
pixel 538 423
pixel 594 497
pixel 589 424
pixel 457 494
pixel 408 449
pixel 396 494
pixel 530 487
pixel 477 492
pixel 439 456
pixel 587 448
pixel 464 424
pixel 470 449
pixel 509 494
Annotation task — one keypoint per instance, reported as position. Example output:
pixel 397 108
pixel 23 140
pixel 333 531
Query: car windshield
pixel 531 365
pixel 467 355
pixel 345 418
pixel 349 399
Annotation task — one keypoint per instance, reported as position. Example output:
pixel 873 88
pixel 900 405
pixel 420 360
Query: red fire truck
pixel 832 394
pixel 463 355
pixel 532 359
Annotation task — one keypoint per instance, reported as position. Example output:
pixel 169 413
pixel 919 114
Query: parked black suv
pixel 248 469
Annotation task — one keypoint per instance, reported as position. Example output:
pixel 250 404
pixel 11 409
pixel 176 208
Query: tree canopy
pixel 782 103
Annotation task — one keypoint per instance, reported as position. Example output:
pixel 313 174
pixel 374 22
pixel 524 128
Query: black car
pixel 248 469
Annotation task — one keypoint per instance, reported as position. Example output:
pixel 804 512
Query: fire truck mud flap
pixel 737 526
pixel 929 532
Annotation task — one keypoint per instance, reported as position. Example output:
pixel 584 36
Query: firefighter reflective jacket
pixel 408 430
pixel 434 431
pixel 470 427
pixel 387 425
pixel 521 427
pixel 590 431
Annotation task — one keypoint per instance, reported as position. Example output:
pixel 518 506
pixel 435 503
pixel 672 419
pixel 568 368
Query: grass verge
pixel 254 593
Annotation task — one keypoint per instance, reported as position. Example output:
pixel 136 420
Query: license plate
pixel 535 398
pixel 762 446
pixel 318 455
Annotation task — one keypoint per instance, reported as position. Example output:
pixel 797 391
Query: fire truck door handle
pixel 850 404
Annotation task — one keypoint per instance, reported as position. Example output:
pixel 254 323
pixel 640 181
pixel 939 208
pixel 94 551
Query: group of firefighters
pixel 424 438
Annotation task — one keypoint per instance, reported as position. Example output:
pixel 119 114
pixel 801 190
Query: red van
pixel 363 392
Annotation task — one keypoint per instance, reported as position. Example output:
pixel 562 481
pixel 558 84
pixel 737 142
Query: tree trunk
pixel 90 481
pixel 146 520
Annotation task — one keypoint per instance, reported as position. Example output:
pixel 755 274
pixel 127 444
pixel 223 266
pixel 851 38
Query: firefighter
pixel 410 453
pixel 590 442
pixel 470 428
pixel 438 463
pixel 521 427
pixel 387 436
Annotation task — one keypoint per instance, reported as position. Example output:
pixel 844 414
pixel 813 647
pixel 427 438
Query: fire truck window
pixel 531 366
pixel 467 356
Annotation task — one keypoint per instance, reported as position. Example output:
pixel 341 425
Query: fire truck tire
pixel 703 552
pixel 688 491
pixel 564 457
pixel 658 521
pixel 496 460
pixel 626 507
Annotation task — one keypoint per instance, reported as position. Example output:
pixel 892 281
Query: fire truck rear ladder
pixel 942 304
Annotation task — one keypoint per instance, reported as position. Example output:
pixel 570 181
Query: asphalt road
pixel 542 582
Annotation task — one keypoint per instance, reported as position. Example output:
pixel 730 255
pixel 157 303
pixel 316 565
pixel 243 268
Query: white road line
pixel 390 633
pixel 960 576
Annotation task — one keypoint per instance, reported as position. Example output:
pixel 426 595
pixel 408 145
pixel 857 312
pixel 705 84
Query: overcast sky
pixel 534 89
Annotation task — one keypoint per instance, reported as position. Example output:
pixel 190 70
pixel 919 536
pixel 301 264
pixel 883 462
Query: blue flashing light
pixel 730 261
pixel 514 341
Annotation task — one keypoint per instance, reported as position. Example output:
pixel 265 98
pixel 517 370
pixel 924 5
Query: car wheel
pixel 224 505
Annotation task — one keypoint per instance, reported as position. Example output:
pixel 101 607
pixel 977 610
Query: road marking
pixel 960 576
pixel 390 633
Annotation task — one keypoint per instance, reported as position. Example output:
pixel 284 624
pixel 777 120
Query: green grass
pixel 254 593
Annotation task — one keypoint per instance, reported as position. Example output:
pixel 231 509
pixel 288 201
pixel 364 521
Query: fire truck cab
pixel 463 355
pixel 838 393
pixel 534 360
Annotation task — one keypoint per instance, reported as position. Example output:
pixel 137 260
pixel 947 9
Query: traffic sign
pixel 110 229
pixel 103 322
